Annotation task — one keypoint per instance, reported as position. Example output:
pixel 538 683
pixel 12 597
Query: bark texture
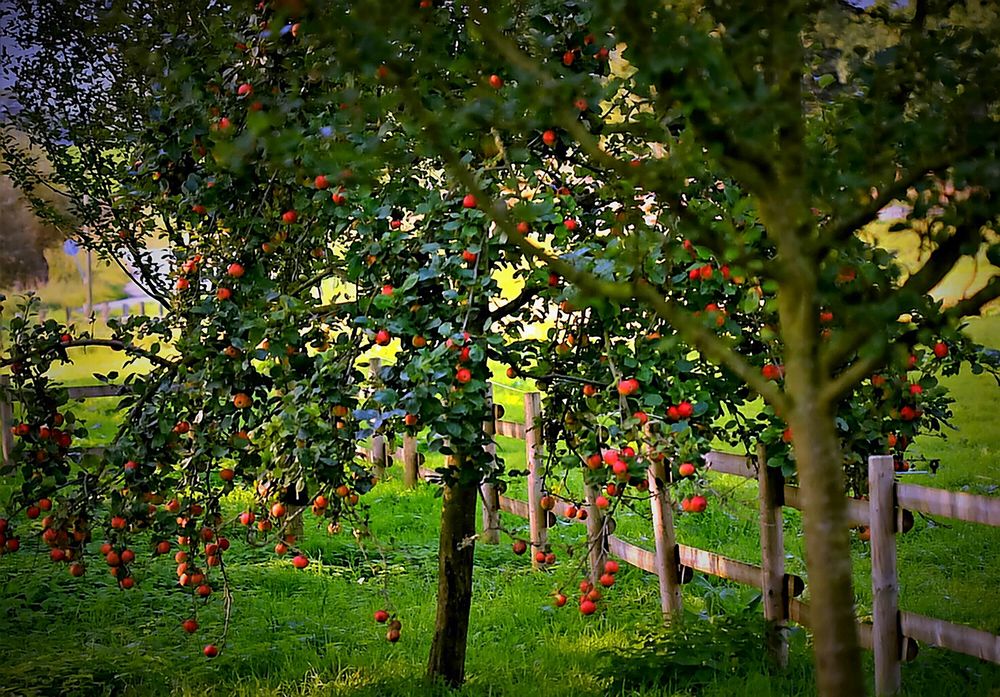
pixel 456 556
pixel 824 511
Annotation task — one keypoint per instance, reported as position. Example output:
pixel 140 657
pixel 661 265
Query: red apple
pixel 469 201
pixel 210 651
pixel 496 82
pixel 770 371
pixel 300 562
pixel 381 616
pixel 698 504
pixel 549 138
pixel 627 387
pixel 686 469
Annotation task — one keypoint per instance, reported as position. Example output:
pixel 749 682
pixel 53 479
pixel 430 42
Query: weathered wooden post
pixel 537 516
pixel 378 457
pixel 885 581
pixel 772 550
pixel 411 462
pixel 666 556
pixel 597 538
pixel 6 421
pixel 491 497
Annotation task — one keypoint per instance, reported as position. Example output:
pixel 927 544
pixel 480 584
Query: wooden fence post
pixel 142 308
pixel 491 498
pixel 885 583
pixel 597 538
pixel 537 516
pixel 105 312
pixel 378 449
pixel 6 421
pixel 772 550
pixel 411 464
pixel 666 557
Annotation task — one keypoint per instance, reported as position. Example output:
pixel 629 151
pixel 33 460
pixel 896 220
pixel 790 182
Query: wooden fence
pixel 122 308
pixel 893 634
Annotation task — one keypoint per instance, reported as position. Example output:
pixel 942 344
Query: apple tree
pixel 818 129
pixel 324 184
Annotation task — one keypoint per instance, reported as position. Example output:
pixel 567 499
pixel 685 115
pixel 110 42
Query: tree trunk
pixel 828 553
pixel 456 556
pixel 824 509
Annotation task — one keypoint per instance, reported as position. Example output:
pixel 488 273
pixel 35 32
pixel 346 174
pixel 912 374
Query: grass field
pixel 312 633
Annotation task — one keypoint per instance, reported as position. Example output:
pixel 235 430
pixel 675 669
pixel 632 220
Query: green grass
pixel 311 632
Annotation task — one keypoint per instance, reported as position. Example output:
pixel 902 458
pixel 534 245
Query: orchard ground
pixel 312 632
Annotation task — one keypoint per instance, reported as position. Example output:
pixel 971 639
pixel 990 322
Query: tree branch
pixel 689 327
pixel 973 304
pixel 893 303
pixel 840 229
pixel 879 347
pixel 526 295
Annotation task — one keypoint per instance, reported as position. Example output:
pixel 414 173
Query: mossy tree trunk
pixel 819 463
